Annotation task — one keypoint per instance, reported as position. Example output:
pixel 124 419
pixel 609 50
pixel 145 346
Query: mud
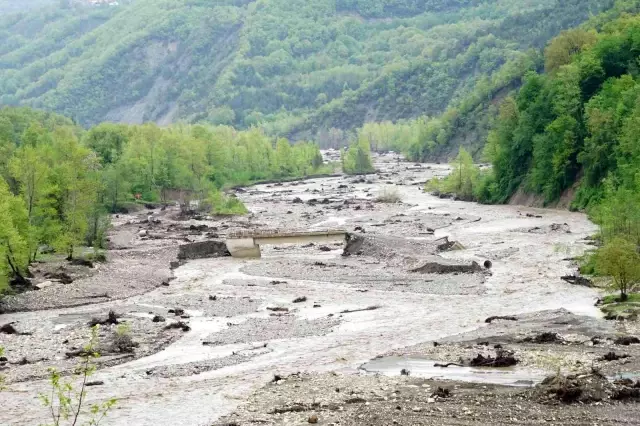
pixel 220 366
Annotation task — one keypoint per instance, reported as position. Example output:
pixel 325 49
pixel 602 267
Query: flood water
pixel 424 368
pixel 525 278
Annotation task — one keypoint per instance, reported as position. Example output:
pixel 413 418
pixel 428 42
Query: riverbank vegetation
pixel 60 181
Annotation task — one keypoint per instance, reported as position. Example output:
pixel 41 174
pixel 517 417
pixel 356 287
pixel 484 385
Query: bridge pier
pixel 248 245
pixel 243 248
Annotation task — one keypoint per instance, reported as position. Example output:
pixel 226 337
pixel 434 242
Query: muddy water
pixel 526 267
pixel 419 367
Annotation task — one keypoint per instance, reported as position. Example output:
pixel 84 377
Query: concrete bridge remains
pixel 247 244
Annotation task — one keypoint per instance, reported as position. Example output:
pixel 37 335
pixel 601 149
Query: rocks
pixel 487 264
pixel 277 309
pixel 203 250
pixel 177 311
pixel 313 419
pixel 405 372
pixel 324 248
pixel 300 299
pixel 158 318
pixel 297 200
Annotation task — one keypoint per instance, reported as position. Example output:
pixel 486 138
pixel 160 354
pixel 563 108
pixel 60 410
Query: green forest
pixel 302 70
pixel 571 132
pixel 59 181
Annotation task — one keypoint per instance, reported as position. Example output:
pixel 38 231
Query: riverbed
pixel 237 341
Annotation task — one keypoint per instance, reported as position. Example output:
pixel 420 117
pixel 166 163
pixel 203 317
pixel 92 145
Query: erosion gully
pixel 525 278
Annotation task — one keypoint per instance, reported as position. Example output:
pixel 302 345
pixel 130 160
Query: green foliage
pixel 66 402
pixel 357 159
pixel 14 237
pixel 298 68
pixel 222 204
pixel 619 259
pixel 575 123
pixel 59 181
pixel 463 181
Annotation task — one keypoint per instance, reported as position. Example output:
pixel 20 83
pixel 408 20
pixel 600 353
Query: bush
pixel 389 195
pixel 222 204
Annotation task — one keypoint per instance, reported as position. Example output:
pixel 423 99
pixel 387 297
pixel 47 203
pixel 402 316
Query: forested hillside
pixel 58 181
pixel 302 69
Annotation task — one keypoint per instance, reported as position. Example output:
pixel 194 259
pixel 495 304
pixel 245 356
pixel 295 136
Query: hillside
pixel 298 68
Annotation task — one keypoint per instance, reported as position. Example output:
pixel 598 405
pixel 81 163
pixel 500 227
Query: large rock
pixel 203 250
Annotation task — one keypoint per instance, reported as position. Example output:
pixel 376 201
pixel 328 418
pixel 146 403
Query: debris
pixel 8 329
pixel 627 340
pixel 446 268
pixel 546 337
pixel 441 393
pixel 577 280
pixel 504 318
pixel 449 364
pixel 502 359
pixel 180 324
pixel 61 276
pixel 612 356
pixel 112 319
pixel 369 308
pixel 81 262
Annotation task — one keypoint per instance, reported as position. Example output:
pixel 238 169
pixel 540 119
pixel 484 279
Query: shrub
pixel 389 195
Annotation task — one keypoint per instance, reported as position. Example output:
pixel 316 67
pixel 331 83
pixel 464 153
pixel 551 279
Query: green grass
pixel 615 298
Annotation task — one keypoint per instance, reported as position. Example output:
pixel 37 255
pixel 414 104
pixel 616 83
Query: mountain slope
pixel 294 66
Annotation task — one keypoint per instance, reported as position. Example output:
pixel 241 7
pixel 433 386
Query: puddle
pixel 419 367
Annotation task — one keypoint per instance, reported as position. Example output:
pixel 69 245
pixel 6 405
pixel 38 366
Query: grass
pixel 613 308
pixel 615 298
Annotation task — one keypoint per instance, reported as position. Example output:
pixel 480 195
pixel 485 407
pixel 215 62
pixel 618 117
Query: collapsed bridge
pixel 246 244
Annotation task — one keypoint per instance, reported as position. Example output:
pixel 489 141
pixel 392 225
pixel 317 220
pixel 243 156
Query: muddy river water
pixel 526 247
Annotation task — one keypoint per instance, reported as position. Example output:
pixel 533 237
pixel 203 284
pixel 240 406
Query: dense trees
pixel 59 181
pixel 297 68
pixel 357 158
